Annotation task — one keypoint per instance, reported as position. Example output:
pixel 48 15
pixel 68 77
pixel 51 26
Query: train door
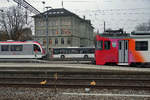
pixel 123 52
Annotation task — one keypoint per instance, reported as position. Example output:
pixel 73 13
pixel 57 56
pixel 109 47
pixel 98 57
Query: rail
pixel 77 82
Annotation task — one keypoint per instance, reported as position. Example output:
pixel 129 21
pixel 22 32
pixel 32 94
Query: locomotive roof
pixel 126 35
pixel 121 34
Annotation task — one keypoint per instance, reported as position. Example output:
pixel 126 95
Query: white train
pixel 21 50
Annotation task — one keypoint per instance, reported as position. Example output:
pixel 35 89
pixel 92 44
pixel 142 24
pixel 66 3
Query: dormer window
pixel 54 12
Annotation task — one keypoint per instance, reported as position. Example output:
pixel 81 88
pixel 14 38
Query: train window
pixel 99 45
pixel 141 45
pixel 16 47
pixel 107 45
pixel 68 41
pixel 62 40
pixel 37 48
pixel 5 48
pixel 56 41
pixel 120 45
pixel 126 45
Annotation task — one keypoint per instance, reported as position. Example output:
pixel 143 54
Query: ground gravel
pixel 20 93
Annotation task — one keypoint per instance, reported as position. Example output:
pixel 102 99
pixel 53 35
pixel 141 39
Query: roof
pixel 140 33
pixel 56 12
pixel 59 12
pixel 123 36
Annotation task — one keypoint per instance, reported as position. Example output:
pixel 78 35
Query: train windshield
pixel 36 48
pixel 99 45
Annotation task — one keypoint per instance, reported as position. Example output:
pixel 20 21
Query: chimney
pixel 84 17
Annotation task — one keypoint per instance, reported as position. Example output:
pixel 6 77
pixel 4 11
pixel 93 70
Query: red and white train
pixel 23 50
pixel 123 49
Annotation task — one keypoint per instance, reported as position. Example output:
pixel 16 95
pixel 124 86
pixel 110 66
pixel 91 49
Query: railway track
pixel 32 76
pixel 77 82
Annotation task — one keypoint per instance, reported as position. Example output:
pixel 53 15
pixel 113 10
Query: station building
pixel 65 29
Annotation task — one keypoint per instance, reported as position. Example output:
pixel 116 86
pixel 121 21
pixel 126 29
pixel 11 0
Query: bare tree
pixel 3 36
pixel 13 22
pixel 143 27
pixel 26 34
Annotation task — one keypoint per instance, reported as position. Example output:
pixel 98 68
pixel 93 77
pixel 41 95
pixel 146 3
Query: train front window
pixel 99 45
pixel 36 48
pixel 107 45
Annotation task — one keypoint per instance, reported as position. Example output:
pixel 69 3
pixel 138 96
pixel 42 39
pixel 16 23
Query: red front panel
pixel 103 56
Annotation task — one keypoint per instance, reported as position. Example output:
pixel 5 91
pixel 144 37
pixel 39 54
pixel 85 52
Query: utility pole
pixel 43 2
pixel 104 26
pixel 47 37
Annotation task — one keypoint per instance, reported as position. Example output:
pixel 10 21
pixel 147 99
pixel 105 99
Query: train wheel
pixel 140 65
pixel 133 64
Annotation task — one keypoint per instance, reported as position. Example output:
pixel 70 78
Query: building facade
pixel 65 29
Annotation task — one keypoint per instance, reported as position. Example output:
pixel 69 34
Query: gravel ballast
pixel 20 93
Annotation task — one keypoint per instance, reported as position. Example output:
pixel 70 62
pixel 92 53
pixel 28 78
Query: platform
pixel 69 67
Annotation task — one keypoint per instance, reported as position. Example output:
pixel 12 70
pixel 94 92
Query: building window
pixel 62 40
pixel 69 41
pixel 66 21
pixel 62 31
pixel 61 12
pixel 44 42
pixel 141 45
pixel 52 22
pixel 107 45
pixel 54 31
pixel 54 12
pixel 50 41
pixel 56 41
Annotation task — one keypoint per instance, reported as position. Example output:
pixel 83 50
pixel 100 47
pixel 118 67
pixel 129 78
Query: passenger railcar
pixel 123 49
pixel 18 49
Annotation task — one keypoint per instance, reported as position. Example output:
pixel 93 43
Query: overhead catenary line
pixel 78 1
pixel 27 6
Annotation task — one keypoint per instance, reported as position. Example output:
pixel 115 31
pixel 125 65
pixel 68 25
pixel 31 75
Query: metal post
pixel 47 42
pixel 47 38
pixel 104 26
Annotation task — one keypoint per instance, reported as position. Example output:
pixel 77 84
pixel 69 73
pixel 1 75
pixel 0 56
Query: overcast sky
pixel 116 13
